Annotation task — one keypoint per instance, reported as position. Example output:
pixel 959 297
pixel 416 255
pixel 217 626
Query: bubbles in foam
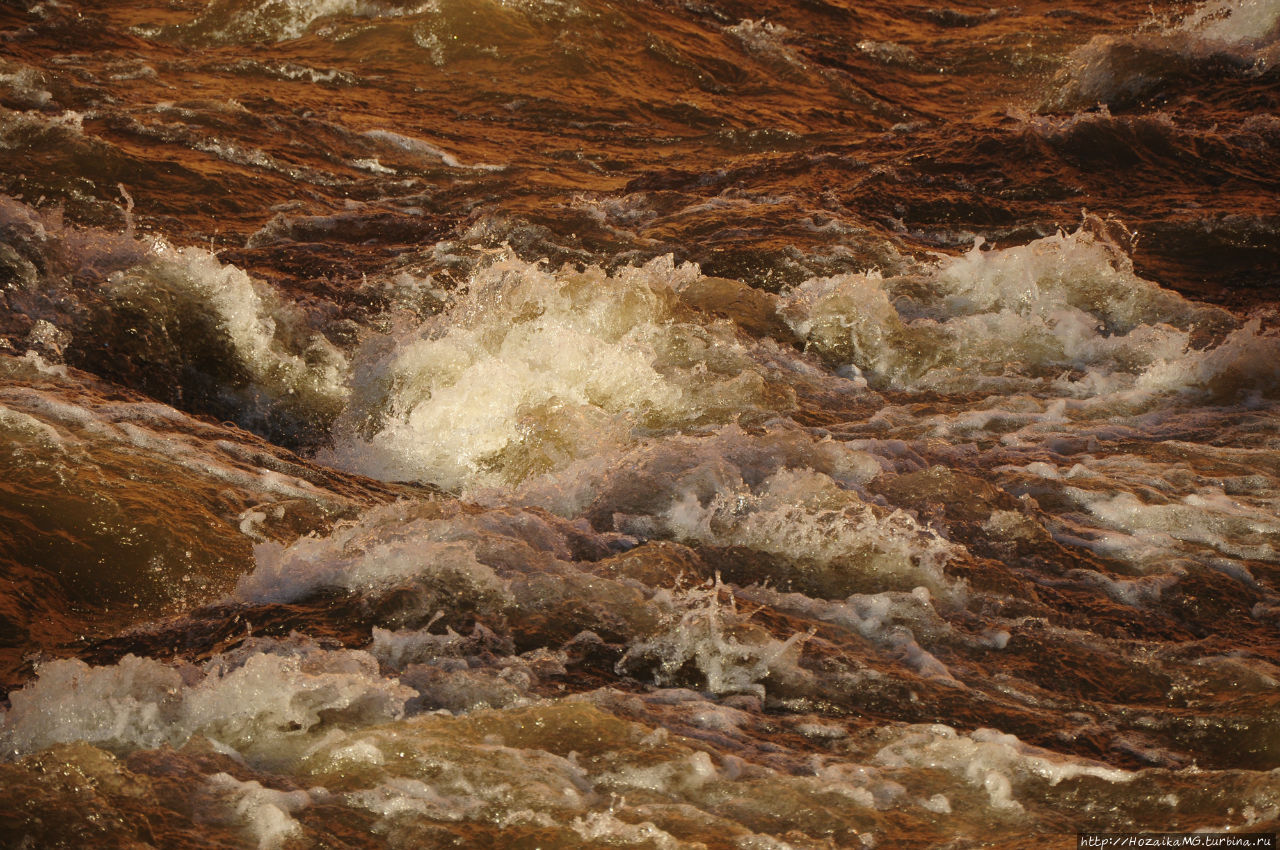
pixel 890 620
pixel 1064 313
pixel 433 552
pixel 265 814
pixel 641 482
pixel 531 370
pixel 804 518
pixel 1212 519
pixel 400 797
pixel 18 128
pixel 24 86
pixel 604 827
pixel 230 338
pixel 704 636
pixel 997 763
pixel 1163 518
pixel 232 21
pixel 1216 37
pixel 767 40
pixel 284 575
pixel 262 704
pixel 400 143
pixel 1244 367
pixel 1233 22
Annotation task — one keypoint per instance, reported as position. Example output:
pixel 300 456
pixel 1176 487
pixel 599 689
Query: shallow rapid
pixel 570 423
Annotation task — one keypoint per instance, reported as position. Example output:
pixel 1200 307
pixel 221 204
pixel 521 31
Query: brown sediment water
pixel 573 423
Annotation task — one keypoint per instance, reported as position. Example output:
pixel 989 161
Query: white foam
pixel 1212 519
pixel 1233 22
pixel 638 486
pixel 130 704
pixel 699 633
pixel 889 52
pixel 889 620
pixel 376 554
pixel 399 649
pixel 25 85
pixel 530 370
pixel 286 362
pixel 681 776
pixel 262 705
pixel 435 767
pixel 282 20
pixel 408 144
pixel 604 827
pixel 17 128
pixel 1217 33
pixel 995 762
pixel 266 814
pixel 768 40
pixel 372 165
pixel 1244 367
pixel 405 796
pixel 19 428
pixel 806 518
pixel 1064 313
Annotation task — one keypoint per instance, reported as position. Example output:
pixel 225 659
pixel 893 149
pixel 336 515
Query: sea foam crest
pixel 211 323
pixel 463 555
pixel 635 487
pixel 263 704
pixel 384 550
pixel 24 86
pixel 1209 518
pixel 532 369
pixel 1216 37
pixel 1065 313
pixel 701 634
pixel 265 814
pixel 996 762
pixel 836 542
pixel 891 620
pixel 1233 22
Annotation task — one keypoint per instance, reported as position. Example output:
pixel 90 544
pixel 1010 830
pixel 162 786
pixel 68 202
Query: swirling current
pixel 657 424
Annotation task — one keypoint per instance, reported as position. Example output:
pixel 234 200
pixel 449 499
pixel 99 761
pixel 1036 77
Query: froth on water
pixel 580 424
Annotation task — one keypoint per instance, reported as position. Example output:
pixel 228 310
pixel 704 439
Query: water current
pixel 638 423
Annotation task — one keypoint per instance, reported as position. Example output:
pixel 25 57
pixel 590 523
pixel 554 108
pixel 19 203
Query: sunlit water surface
pixel 578 423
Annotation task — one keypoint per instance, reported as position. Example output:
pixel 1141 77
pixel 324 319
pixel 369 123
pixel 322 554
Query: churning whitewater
pixel 475 423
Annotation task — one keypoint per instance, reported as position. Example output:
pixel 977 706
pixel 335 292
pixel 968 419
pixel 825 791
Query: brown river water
pixel 653 424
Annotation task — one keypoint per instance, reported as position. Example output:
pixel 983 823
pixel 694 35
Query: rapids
pixel 661 424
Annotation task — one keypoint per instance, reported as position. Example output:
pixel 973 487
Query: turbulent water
pixel 656 424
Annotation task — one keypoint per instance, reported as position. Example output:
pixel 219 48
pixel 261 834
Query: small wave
pixel 23 87
pixel 531 369
pixel 244 700
pixel 1218 39
pixel 418 147
pixel 237 21
pixel 1233 22
pixel 232 343
pixel 1064 313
